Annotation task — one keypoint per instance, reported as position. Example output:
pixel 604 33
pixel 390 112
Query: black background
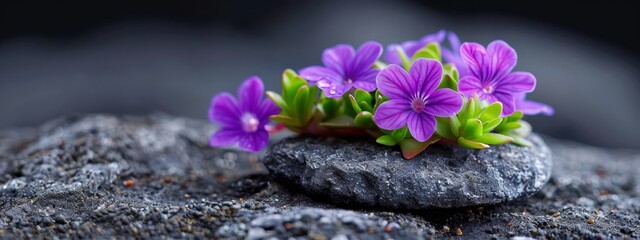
pixel 129 57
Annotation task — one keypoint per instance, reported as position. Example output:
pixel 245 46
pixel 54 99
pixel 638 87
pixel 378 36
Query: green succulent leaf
pixel 493 139
pixel 411 148
pixel 290 85
pixel 330 107
pixel 341 121
pixel 364 119
pixel 362 95
pixel 491 112
pixel 365 106
pixel 386 140
pixel 431 51
pixel 524 130
pixel 288 121
pixel 379 98
pixel 354 104
pixel 300 102
pixel 449 69
pixel 490 125
pixel 400 134
pixel 455 126
pixel 448 82
pixel 472 129
pixel 471 144
pixel 379 65
pixel 520 141
pixel 443 128
pixel 278 100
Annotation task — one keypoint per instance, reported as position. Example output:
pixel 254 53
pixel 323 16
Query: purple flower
pixel 490 77
pixel 411 47
pixel 532 107
pixel 414 100
pixel 242 121
pixel 345 68
pixel 453 55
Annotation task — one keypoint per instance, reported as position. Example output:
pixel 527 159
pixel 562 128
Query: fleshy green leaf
pixel 277 99
pixel 354 104
pixel 490 125
pixel 443 128
pixel 493 138
pixel 451 70
pixel 290 85
pixel 364 119
pixel 515 116
pixel 379 98
pixel 362 95
pixel 448 82
pixel 300 103
pixel 491 112
pixel 455 126
pixel 431 51
pixel 330 107
pixel 386 140
pixel 400 134
pixel 288 121
pixel 472 129
pixel 471 144
pixel 411 148
pixel 520 141
pixel 365 106
pixel 524 130
pixel 379 65
pixel 341 121
pixel 406 62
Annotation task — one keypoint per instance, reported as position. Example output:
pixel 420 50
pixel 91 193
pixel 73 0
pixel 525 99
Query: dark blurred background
pixel 132 57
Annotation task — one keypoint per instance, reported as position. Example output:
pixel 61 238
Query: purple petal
pixel 434 37
pixel 337 58
pixel 250 94
pixel 366 80
pixel 412 47
pixel 469 85
pixel 395 83
pixel 225 137
pixel 502 58
pixel 454 41
pixel 267 108
pixel 256 141
pixel 317 73
pixel 517 82
pixel 427 73
pixel 533 107
pixel 333 89
pixel 474 56
pixel 421 126
pixel 443 103
pixel 366 56
pixel 392 56
pixel 392 114
pixel 224 110
pixel 507 100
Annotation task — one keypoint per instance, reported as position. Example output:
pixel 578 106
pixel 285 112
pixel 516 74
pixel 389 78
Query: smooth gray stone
pixel 361 172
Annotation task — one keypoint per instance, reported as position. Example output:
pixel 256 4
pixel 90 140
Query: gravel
pixel 101 176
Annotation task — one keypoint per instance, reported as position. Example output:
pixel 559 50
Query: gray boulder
pixel 361 172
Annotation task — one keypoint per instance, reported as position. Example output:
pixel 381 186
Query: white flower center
pixel 249 122
pixel 488 89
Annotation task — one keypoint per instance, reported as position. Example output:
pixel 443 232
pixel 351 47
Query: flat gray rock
pixel 362 173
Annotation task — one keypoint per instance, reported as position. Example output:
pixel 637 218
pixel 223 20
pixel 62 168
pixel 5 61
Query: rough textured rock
pixel 69 179
pixel 362 172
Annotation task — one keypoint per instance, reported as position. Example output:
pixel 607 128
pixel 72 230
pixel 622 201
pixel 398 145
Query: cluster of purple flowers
pixel 414 99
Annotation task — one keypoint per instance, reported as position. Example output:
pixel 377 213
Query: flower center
pixel 249 122
pixel 417 104
pixel 348 81
pixel 488 89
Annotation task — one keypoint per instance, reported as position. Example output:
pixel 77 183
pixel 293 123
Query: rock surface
pixel 155 177
pixel 361 172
